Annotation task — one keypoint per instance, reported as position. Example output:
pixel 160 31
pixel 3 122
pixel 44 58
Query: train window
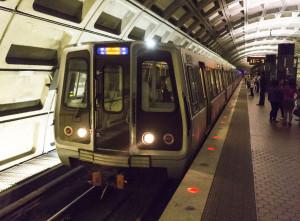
pixel 224 79
pixel 213 84
pixel 215 75
pixel 202 82
pixel 196 92
pixel 192 89
pixel 228 77
pixel 200 90
pixel 157 92
pixel 113 88
pixel 76 86
pixel 220 80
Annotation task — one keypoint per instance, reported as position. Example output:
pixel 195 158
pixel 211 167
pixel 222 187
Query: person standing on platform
pixel 257 84
pixel 281 84
pixel 248 82
pixel 297 110
pixel 263 87
pixel 275 97
pixel 252 87
pixel 289 94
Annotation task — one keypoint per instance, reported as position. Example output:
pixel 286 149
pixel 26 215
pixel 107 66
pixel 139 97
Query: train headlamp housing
pixel 82 132
pixel 168 138
pixel 68 131
pixel 148 138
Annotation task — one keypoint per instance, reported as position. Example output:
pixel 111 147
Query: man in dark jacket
pixel 263 88
pixel 275 97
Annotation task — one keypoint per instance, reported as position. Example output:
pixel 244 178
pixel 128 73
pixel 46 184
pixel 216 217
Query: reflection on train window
pixel 221 80
pixel 157 92
pixel 201 72
pixel 195 89
pixel 213 85
pixel 76 90
pixel 113 88
pixel 215 73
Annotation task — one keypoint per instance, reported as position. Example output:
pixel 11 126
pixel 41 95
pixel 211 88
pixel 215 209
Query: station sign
pixel 256 60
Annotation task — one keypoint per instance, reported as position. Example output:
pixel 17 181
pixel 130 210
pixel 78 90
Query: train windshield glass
pixel 157 92
pixel 113 88
pixel 76 85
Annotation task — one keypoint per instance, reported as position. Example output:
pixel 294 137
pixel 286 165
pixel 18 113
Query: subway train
pixel 125 105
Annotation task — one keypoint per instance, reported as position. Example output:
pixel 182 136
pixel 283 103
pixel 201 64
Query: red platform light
pixel 193 190
pixel 211 148
pixel 216 137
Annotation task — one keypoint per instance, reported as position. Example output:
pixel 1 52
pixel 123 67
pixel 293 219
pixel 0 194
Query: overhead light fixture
pixel 150 43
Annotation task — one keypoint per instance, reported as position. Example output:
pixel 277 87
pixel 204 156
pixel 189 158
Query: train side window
pixel 157 90
pixel 220 80
pixel 113 88
pixel 192 89
pixel 201 72
pixel 200 89
pixel 76 87
pixel 196 89
pixel 225 79
pixel 213 84
pixel 215 74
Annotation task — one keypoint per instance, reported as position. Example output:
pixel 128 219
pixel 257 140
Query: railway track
pixel 35 199
pixel 132 203
pixel 70 197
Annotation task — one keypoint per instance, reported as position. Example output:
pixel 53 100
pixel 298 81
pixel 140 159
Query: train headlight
pixel 168 138
pixel 148 138
pixel 82 132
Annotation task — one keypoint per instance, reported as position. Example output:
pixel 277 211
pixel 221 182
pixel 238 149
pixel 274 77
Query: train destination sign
pixel 256 60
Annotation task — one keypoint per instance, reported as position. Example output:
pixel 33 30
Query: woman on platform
pixel 289 95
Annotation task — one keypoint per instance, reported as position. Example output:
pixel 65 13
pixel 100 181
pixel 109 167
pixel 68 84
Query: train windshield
pixel 113 88
pixel 76 83
pixel 157 92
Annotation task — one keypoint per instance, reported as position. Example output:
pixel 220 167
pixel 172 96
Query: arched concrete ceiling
pixel 235 28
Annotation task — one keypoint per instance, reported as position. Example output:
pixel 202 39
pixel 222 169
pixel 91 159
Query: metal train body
pixel 124 105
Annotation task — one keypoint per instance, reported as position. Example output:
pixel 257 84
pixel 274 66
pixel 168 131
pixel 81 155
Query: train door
pixel 197 104
pixel 112 80
pixel 157 111
pixel 72 114
pixel 206 90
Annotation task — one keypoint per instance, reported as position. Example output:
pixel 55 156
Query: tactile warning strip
pixel 18 173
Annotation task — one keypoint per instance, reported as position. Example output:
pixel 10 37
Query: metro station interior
pixel 150 110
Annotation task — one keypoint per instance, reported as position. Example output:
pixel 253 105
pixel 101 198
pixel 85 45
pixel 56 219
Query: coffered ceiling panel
pixel 234 28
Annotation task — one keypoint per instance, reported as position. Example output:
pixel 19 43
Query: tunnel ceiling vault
pixel 233 27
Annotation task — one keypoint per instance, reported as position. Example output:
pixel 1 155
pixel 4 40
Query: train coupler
pixel 97 178
pixel 117 181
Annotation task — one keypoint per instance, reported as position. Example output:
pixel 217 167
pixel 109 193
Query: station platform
pixel 247 169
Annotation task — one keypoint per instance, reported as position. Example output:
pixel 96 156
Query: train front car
pixel 118 105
